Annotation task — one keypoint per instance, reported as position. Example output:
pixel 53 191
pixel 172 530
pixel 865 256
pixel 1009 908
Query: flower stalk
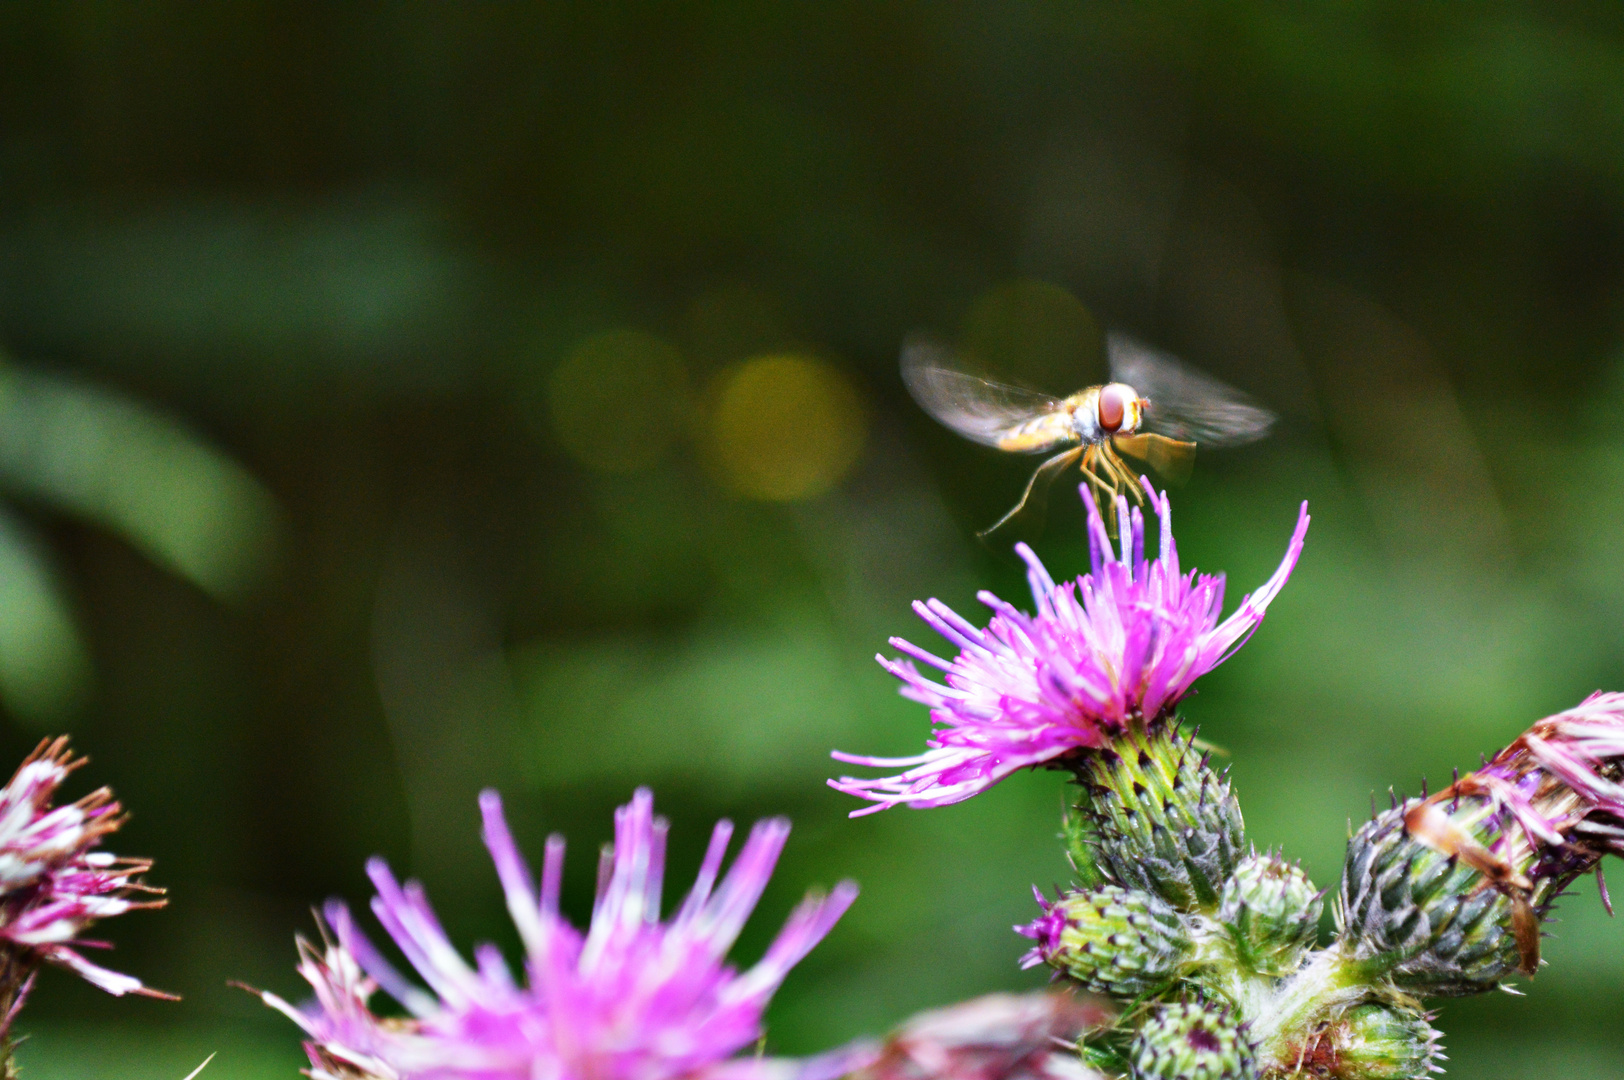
pixel 17 974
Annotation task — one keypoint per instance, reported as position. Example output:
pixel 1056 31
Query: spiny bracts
pixel 1156 817
pixel 1271 912
pixel 1111 940
pixel 1192 1040
pixel 1420 917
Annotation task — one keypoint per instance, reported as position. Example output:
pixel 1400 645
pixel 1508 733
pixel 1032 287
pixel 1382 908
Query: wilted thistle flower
pixel 996 1037
pixel 1121 644
pixel 54 884
pixel 631 999
pixel 1444 895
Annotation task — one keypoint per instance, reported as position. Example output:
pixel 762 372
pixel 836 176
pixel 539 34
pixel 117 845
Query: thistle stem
pixel 1284 1015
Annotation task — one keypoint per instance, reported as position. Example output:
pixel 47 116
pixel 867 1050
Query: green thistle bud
pixel 1271 911
pixel 1425 918
pixel 1191 1040
pixel 1112 940
pixel 1156 818
pixel 1378 1042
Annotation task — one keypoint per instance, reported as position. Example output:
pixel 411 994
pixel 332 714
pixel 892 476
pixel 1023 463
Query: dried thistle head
pixel 996 1037
pixel 54 883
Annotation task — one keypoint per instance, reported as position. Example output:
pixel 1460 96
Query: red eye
pixel 1113 404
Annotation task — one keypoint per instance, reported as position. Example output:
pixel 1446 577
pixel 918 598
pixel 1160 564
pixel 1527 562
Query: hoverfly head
pixel 1121 409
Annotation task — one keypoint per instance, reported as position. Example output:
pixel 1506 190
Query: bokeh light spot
pixel 619 400
pixel 786 427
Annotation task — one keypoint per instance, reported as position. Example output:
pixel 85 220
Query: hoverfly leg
pixel 1119 481
pixel 1090 456
pixel 1169 459
pixel 1036 489
pixel 1107 488
pixel 1127 483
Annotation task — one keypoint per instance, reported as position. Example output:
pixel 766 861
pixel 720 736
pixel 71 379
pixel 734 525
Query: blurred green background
pixel 405 398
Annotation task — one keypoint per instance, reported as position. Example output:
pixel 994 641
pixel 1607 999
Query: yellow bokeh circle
pixel 785 427
pixel 619 400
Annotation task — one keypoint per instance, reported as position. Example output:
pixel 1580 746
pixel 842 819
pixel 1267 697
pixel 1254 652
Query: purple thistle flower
pixel 53 884
pixel 631 999
pixel 1045 929
pixel 1120 644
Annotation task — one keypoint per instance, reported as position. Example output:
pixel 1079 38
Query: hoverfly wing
pixel 1185 404
pixel 976 408
pixel 1171 460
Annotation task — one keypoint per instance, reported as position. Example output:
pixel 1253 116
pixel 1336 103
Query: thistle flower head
pixel 1154 816
pixel 1193 1040
pixel 1271 912
pixel 1122 643
pixel 1115 941
pixel 632 998
pixel 1445 894
pixel 53 883
pixel 1377 1042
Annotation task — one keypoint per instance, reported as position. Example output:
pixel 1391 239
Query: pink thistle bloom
pixel 53 884
pixel 633 998
pixel 1121 643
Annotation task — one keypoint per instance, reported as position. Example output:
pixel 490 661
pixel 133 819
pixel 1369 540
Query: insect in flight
pixel 1155 411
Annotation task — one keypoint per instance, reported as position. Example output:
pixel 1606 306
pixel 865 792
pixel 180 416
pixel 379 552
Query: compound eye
pixel 1113 406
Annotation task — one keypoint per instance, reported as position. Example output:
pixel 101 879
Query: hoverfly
pixel 1155 411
